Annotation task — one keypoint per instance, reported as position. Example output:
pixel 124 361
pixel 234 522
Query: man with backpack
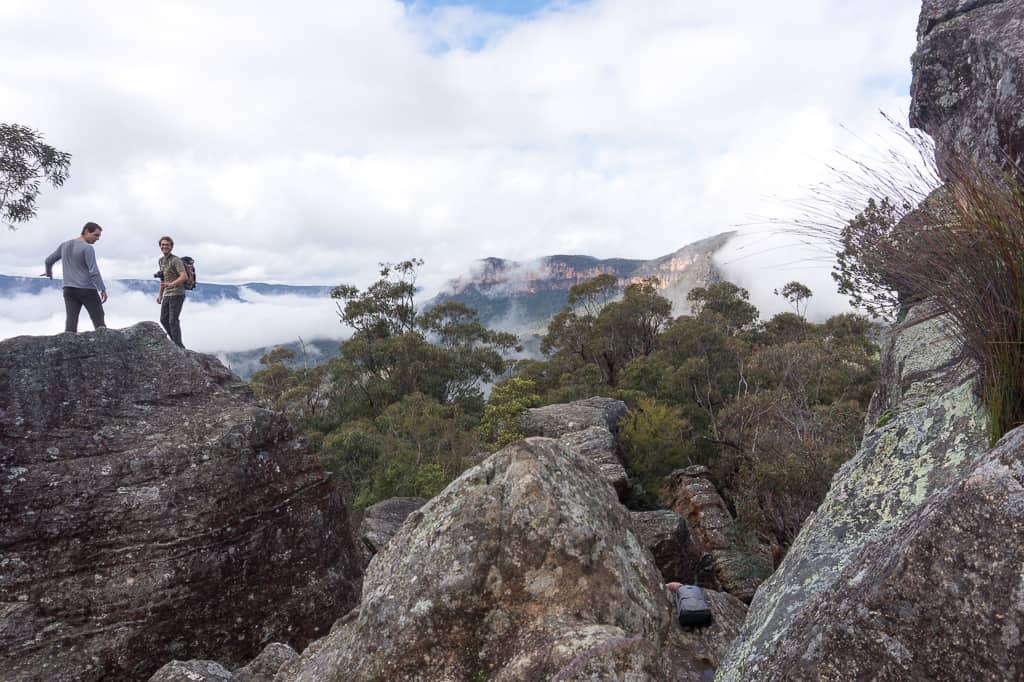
pixel 174 278
pixel 83 284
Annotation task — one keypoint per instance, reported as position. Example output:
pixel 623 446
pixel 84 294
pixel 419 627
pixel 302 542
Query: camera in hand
pixel 159 275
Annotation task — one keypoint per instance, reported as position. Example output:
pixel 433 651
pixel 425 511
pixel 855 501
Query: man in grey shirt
pixel 82 282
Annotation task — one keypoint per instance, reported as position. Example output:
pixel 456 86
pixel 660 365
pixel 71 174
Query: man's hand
pixel 159 298
pixel 103 297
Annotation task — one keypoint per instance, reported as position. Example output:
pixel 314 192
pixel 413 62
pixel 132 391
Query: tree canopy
pixel 770 408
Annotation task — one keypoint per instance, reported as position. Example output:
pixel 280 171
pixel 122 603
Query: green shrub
pixel 656 438
pixel 509 399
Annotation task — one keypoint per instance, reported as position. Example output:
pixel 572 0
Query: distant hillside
pixel 518 297
pixel 316 351
pixel 203 293
pixel 524 296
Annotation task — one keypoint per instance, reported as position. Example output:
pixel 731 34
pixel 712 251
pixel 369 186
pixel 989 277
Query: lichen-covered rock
pixel 925 437
pixel 555 421
pixel 524 568
pixel 264 667
pixel 587 429
pixel 192 671
pixel 942 599
pixel 968 85
pixel 598 445
pixel 150 510
pixel 737 568
pixel 382 520
pixel 665 534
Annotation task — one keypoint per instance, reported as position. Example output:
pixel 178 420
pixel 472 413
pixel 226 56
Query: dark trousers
pixel 170 312
pixel 74 299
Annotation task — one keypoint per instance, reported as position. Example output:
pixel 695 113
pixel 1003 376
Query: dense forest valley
pixel 771 407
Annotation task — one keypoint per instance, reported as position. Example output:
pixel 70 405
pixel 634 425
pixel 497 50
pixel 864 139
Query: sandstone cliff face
pixel 692 265
pixel 968 86
pixel 525 296
pixel 150 510
pixel 524 568
pixel 910 569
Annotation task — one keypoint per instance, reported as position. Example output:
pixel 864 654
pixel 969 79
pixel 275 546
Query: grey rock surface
pixel 943 599
pixel 598 445
pixel 150 510
pixel 264 667
pixel 968 82
pixel 524 568
pixel 382 520
pixel 864 557
pixel 192 671
pixel 587 429
pixel 555 421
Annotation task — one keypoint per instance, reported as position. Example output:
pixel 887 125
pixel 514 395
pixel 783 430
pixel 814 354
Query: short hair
pixel 165 238
pixel 91 227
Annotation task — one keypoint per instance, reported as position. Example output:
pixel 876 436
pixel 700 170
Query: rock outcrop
pixel 150 511
pixel 555 421
pixel 738 569
pixel 524 568
pixel 587 428
pixel 910 569
pixel 968 85
pixel 382 520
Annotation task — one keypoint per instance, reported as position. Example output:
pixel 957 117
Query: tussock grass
pixel 971 262
pixel 958 244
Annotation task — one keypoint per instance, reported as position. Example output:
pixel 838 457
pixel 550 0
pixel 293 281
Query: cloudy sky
pixel 305 142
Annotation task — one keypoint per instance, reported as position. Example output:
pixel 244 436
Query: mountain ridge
pixel 521 295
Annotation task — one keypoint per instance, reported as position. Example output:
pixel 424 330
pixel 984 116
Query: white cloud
pixel 306 143
pixel 256 322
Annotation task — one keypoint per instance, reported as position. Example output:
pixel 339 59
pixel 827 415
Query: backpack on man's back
pixel 190 271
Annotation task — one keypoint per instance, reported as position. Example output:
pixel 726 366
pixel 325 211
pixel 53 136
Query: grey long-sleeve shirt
pixel 79 263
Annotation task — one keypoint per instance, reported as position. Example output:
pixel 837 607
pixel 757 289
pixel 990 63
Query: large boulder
pixel 968 85
pixel 943 599
pixel 555 421
pixel 524 568
pixel 901 536
pixel 150 510
pixel 587 428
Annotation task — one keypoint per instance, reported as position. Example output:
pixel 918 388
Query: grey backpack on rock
pixel 692 608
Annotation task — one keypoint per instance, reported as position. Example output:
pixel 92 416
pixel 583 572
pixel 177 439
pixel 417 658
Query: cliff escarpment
pixel 527 295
